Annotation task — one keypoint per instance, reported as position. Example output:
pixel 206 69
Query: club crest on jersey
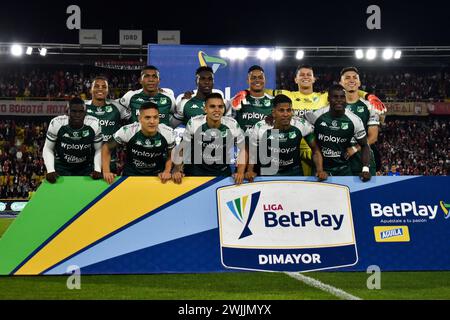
pixel 344 126
pixel 108 109
pixel 360 109
pixel 292 135
pixel 267 103
pixel 85 133
pixel 163 100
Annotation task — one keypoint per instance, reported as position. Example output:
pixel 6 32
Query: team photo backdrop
pixel 177 65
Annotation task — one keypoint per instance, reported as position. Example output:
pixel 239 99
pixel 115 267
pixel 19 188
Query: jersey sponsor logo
pixel 107 123
pixel 253 115
pixel 334 125
pixel 143 165
pixel 299 113
pixel 330 153
pixel 283 150
pixel 147 154
pixel 70 158
pixel 330 138
pixel 69 146
pixel 391 233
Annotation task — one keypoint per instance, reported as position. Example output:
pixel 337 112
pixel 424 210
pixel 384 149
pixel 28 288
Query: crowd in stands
pixel 415 146
pixel 21 164
pixel 418 146
pixel 393 85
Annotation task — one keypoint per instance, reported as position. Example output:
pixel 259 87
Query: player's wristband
pixel 365 169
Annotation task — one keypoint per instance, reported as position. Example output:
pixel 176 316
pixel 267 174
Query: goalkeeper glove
pixel 376 103
pixel 239 98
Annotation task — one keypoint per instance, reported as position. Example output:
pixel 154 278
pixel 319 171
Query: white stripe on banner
pixel 322 286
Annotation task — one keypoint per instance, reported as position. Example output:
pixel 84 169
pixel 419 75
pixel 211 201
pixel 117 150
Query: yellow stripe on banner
pixel 130 200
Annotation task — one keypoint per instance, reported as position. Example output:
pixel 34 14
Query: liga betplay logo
pixel 214 62
pixel 286 226
pixel 238 208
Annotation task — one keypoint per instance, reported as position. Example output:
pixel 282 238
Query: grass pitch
pixel 225 286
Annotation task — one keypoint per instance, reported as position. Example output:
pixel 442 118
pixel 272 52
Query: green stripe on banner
pixel 51 207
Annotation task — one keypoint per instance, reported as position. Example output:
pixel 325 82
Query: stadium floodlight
pixel 388 53
pixel 397 54
pixel 263 54
pixel 43 52
pixel 223 53
pixel 371 54
pixel 277 54
pixel 233 53
pixel 242 53
pixel 359 54
pixel 300 54
pixel 29 51
pixel 16 50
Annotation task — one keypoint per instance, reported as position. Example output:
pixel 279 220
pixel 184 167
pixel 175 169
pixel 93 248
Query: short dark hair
pixel 203 68
pixel 354 69
pixel 100 77
pixel 303 66
pixel 255 67
pixel 149 105
pixel 149 67
pixel 335 87
pixel 213 95
pixel 281 98
pixel 76 101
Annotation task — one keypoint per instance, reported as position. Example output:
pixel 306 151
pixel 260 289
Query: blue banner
pixel 177 65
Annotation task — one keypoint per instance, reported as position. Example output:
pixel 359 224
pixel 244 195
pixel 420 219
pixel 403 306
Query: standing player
pixel 73 144
pixel 287 133
pixel 150 92
pixel 208 142
pixel 334 128
pixel 256 105
pixel 371 120
pixel 108 112
pixel 149 144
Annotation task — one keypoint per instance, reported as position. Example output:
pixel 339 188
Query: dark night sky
pixel 235 22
